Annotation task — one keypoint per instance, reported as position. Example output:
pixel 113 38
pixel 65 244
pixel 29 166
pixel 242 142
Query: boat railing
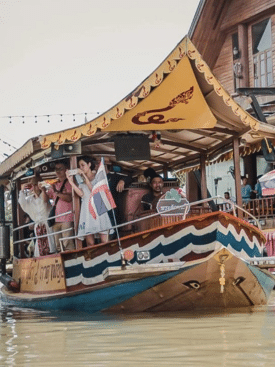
pixel 172 218
pixel 230 206
pixel 42 236
pixel 197 208
pixel 154 219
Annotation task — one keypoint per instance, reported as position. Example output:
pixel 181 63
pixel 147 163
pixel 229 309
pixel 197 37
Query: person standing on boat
pixel 28 232
pixel 117 182
pixel 258 188
pixel 245 190
pixel 156 184
pixel 33 201
pixel 88 225
pixel 64 204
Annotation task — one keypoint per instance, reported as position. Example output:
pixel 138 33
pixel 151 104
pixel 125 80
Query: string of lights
pixel 6 143
pixel 56 119
pixel 35 118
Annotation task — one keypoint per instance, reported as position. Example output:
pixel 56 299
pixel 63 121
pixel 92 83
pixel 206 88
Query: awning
pixel 182 93
pixel 182 100
pixel 22 153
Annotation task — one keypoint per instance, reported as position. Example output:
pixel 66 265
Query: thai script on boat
pixel 170 207
pixel 52 271
pixel 173 202
pixel 42 274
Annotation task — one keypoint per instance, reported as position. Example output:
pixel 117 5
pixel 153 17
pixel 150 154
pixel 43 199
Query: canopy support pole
pixel 2 220
pixel 76 204
pixel 203 177
pixel 211 203
pixel 237 170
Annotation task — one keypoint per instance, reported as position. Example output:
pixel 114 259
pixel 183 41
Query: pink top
pixel 62 206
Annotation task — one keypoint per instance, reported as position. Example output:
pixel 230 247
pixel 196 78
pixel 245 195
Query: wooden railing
pixel 261 208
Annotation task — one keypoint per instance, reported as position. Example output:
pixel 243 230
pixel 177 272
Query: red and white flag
pixel 101 199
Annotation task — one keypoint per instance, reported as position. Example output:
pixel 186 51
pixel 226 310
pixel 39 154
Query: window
pixel 262 54
pixel 235 46
pixel 236 64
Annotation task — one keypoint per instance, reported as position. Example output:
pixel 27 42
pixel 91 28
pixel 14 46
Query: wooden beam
pixel 224 131
pixel 173 151
pixel 102 152
pixel 243 48
pixel 203 176
pixel 188 159
pixel 76 204
pixel 96 141
pixel 159 161
pixel 218 146
pixel 206 134
pixel 178 143
pixel 174 137
pixel 237 169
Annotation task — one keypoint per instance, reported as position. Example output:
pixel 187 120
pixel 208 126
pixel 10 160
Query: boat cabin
pixel 177 121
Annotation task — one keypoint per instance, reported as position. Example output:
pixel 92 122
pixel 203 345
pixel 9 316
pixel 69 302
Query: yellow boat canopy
pixel 182 100
pixel 176 96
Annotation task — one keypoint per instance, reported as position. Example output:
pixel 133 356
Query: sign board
pixel 39 274
pixel 173 203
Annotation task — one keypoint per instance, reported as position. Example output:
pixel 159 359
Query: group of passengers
pixel 247 192
pixel 36 199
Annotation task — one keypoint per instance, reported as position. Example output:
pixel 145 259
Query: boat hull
pixel 174 287
pixel 194 264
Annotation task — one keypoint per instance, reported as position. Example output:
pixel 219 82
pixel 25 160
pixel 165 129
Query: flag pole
pixel 118 238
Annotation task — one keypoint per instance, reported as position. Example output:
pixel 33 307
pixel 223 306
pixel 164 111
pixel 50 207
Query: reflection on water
pixel 243 337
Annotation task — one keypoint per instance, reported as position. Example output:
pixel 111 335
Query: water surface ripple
pixel 242 337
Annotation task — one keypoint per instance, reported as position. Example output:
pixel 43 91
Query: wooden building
pixel 236 38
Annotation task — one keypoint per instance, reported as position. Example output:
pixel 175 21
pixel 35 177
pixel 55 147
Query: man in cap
pixel 155 181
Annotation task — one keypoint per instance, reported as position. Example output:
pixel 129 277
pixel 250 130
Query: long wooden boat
pixel 204 258
pixel 199 262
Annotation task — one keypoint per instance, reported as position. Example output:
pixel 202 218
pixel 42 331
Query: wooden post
pixel 243 48
pixel 20 221
pixel 2 204
pixel 165 171
pixel 2 222
pixel 237 169
pixel 76 204
pixel 17 249
pixel 192 193
pixel 203 177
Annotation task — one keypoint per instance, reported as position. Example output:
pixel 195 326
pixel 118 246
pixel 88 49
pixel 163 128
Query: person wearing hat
pixel 33 202
pixel 155 181
pixel 117 182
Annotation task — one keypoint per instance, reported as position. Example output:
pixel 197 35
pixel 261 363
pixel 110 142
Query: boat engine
pixel 4 246
pixel 9 282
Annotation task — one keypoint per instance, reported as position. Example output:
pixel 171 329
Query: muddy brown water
pixel 240 337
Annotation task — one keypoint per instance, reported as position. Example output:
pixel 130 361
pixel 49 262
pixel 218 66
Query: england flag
pixel 101 199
